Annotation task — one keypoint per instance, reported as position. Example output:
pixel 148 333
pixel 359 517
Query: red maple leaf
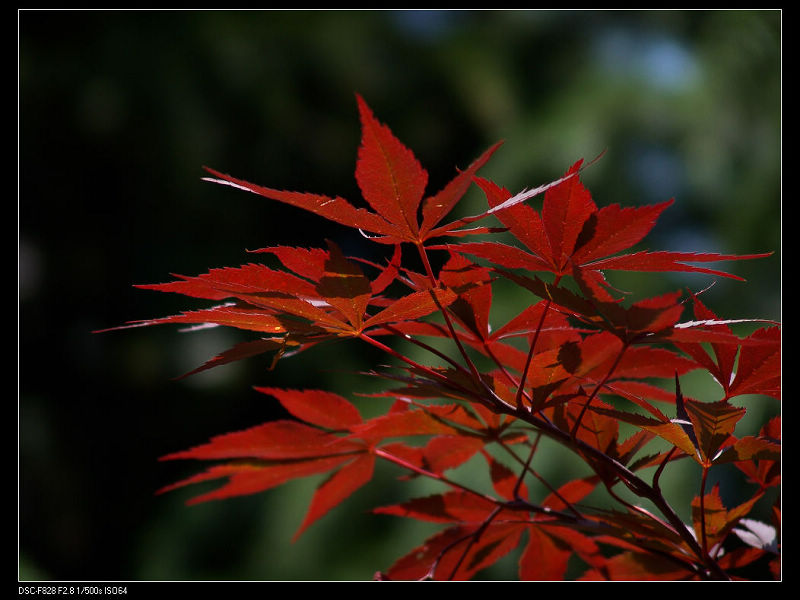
pixel 588 366
pixel 393 183
pixel 573 233
pixel 327 297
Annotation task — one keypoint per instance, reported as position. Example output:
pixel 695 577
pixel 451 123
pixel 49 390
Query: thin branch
pixel 425 346
pixel 499 364
pixel 420 471
pixel 448 321
pixel 636 484
pixel 703 535
pixel 640 510
pixel 597 388
pixel 660 469
pixel 534 447
pixel 528 361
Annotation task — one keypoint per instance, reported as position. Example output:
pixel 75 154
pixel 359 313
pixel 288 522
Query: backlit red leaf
pixel 545 558
pixel 413 306
pixel 613 229
pixel 572 491
pixel 568 367
pixel 437 207
pixel 413 422
pixel 277 440
pixel 503 255
pixel 305 262
pixel 669 261
pixel 504 480
pixel 335 209
pixel 759 369
pixel 344 286
pixel 751 448
pixel 317 407
pixel 524 223
pixel 338 488
pixel 251 478
pixel 448 451
pixel 390 177
pixel 566 208
pixel 232 315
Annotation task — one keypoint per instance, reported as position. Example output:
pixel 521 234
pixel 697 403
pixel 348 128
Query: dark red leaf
pixel 245 350
pixel 307 263
pixel 241 282
pixel 713 423
pixel 443 557
pixel 451 507
pixel 638 566
pixel 345 287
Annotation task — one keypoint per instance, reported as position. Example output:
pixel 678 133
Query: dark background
pixel 118 111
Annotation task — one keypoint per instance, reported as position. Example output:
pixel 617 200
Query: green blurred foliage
pixel 119 110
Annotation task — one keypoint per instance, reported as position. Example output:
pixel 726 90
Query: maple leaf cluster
pixel 557 369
